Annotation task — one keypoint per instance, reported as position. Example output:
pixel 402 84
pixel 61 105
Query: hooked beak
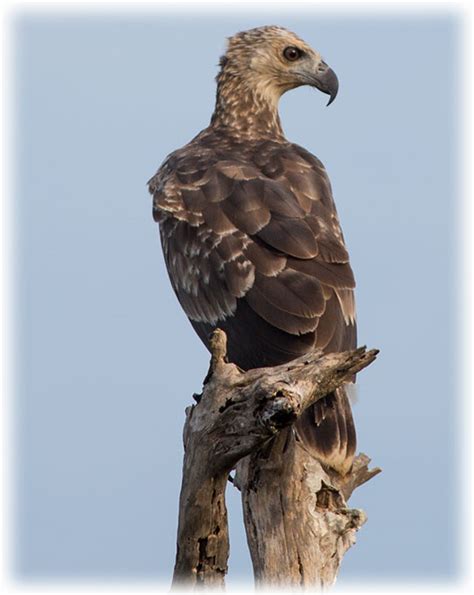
pixel 325 80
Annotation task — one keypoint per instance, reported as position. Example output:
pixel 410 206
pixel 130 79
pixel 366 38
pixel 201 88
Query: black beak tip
pixel 332 86
pixel 327 82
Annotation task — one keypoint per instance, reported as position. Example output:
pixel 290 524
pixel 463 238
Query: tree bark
pixel 298 525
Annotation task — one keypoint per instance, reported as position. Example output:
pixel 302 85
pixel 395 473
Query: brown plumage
pixel 250 232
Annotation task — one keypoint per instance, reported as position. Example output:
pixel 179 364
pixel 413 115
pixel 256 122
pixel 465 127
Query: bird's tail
pixel 327 430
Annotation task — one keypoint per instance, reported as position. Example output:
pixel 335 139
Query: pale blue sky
pixel 107 360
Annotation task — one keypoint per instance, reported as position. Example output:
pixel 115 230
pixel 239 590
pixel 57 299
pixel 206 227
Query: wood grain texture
pixel 297 521
pixel 296 516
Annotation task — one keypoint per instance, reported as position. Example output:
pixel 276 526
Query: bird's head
pixel 272 60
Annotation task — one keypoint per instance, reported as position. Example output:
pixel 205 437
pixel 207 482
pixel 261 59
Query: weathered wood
pixel 295 512
pixel 249 415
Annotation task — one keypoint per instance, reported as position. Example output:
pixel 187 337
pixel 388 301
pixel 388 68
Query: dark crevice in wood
pixel 329 498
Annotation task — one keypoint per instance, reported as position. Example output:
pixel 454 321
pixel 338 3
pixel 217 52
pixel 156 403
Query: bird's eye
pixel 291 53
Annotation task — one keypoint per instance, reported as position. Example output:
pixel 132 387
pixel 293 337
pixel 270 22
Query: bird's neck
pixel 247 109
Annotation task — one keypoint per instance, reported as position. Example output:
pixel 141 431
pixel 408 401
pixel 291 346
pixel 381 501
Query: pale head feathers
pixel 253 75
pixel 257 58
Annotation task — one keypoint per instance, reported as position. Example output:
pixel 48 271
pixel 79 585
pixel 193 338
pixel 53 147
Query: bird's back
pixel 253 245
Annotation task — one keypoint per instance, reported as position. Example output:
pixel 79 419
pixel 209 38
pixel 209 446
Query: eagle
pixel 250 233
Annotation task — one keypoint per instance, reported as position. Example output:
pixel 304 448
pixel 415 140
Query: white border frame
pixel 8 585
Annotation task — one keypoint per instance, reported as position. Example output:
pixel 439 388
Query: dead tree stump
pixel 296 517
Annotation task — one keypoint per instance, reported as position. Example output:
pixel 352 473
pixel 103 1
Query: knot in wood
pixel 280 410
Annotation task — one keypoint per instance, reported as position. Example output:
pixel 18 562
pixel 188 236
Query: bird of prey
pixel 250 233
